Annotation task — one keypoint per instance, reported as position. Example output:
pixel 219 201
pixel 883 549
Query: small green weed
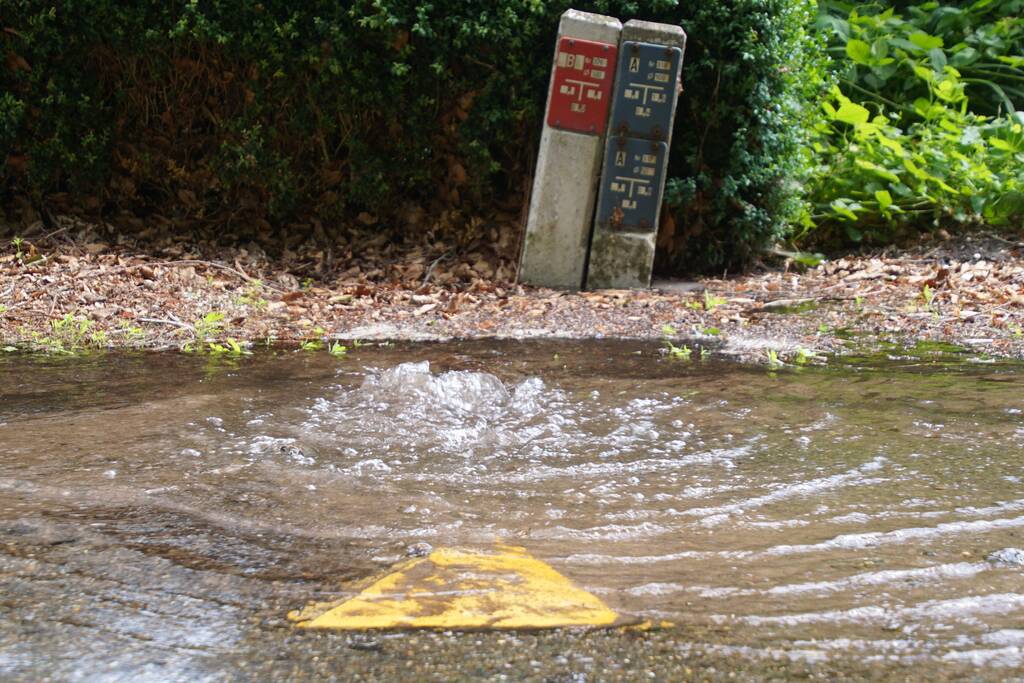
pixel 805 356
pixel 337 350
pixel 711 302
pixel 69 335
pixel 17 242
pixel 928 294
pixel 204 332
pixel 773 360
pixel 313 343
pixel 132 333
pixel 679 352
pixel 210 325
pixel 229 347
pixel 253 296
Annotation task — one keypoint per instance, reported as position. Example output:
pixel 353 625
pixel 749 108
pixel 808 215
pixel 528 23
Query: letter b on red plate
pixel 581 86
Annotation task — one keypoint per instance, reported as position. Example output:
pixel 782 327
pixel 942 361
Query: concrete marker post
pixel 561 209
pixel 636 155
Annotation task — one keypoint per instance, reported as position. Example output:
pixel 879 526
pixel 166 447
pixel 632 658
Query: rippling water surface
pixel 179 503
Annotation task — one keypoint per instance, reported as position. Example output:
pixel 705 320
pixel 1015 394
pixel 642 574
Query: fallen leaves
pixel 433 288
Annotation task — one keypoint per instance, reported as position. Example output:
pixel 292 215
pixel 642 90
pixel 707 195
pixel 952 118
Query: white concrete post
pixel 571 148
pixel 636 156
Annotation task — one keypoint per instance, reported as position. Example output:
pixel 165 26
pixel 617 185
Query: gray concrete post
pixel 636 155
pixel 561 210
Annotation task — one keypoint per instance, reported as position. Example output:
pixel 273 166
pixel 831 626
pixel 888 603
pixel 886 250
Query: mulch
pixel 123 293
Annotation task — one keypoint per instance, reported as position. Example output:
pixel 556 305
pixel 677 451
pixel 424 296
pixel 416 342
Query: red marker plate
pixel 582 85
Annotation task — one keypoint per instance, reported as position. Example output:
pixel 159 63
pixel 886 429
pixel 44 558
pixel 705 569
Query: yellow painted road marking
pixel 459 589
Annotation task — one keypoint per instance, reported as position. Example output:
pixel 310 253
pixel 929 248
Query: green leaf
pixel 924 73
pixel 852 113
pixel 1002 144
pixel 858 51
pixel 916 171
pixel 842 207
pixel 888 142
pixel 925 41
pixel 967 56
pixel 877 170
pixel 880 49
pixel 884 199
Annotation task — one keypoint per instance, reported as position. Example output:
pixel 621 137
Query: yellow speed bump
pixel 460 589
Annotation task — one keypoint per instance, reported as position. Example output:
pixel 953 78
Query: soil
pixel 82 286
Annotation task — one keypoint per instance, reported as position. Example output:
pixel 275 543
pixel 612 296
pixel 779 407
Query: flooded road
pixel 161 514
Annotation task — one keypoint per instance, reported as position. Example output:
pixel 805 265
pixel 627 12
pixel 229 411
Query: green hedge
pixel 240 114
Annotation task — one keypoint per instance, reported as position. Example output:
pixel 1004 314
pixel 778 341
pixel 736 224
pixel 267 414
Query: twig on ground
pixel 430 269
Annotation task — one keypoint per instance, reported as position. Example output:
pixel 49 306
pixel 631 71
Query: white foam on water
pixel 607 532
pixel 964 610
pixel 874 539
pixel 959 570
pixel 1010 656
pixel 888 577
pixel 718 514
pixel 600 558
pixel 656 589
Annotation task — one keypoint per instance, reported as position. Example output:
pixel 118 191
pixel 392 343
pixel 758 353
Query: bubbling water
pixel 795 515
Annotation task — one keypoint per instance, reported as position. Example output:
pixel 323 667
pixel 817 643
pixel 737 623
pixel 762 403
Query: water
pixel 174 506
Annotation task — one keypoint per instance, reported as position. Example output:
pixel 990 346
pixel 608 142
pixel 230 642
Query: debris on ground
pixel 83 286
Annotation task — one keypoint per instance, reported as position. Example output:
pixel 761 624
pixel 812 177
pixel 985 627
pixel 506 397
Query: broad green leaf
pixel 966 56
pixel 893 145
pixel 852 113
pixel 1002 144
pixel 949 90
pixel 842 207
pixel 877 170
pixel 924 73
pixel 880 49
pixel 884 199
pixel 915 170
pixel 904 44
pixel 925 41
pixel 858 51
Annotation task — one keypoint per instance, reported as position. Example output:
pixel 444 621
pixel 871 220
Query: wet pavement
pixel 160 515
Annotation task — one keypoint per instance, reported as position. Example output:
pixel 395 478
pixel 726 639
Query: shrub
pixel 242 114
pixel 923 128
